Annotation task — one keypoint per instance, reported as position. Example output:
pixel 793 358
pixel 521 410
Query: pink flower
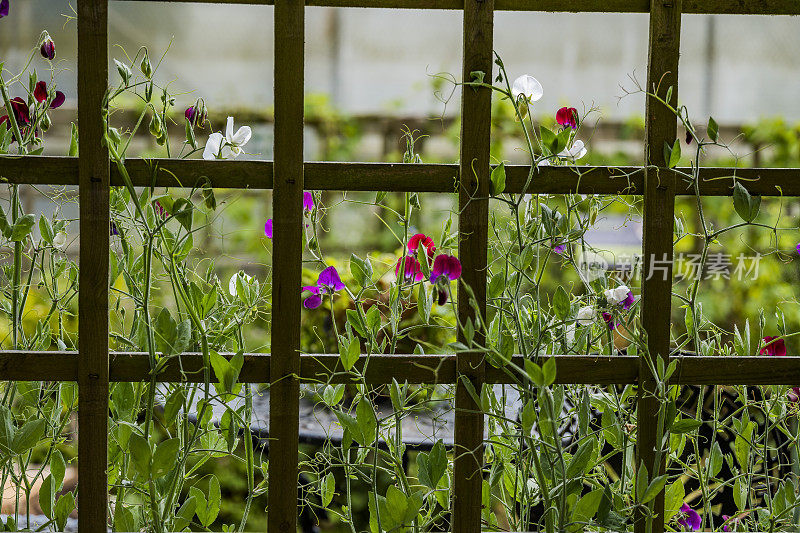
pixel 412 269
pixel 773 346
pixel 567 117
pixel 424 240
pixel 688 519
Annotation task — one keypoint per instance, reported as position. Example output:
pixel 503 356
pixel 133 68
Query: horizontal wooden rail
pixel 572 369
pixel 334 176
pixel 703 7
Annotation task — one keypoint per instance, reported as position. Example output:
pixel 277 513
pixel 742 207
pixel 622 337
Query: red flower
pixel 567 117
pixel 773 346
pixel 421 238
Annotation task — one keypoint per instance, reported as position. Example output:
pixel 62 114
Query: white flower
pixel 232 282
pixel 529 87
pixel 60 241
pixel 586 315
pixel 618 295
pixel 229 146
pixel 575 152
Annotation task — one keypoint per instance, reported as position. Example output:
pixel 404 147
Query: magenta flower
pixel 420 238
pixel 3 8
pixel 730 521
pixel 558 248
pixel 48 48
pixel 308 202
pixel 412 270
pixel 268 228
pixel 195 117
pixel 328 282
pixel 798 248
pixel 773 346
pixel 159 209
pixel 446 268
pixel 688 519
pixel 567 117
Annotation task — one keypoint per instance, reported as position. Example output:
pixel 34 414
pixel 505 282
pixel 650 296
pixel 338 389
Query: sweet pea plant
pixel 557 458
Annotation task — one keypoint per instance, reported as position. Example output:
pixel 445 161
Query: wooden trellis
pixel 92 367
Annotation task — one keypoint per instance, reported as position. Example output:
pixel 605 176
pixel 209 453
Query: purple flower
pixel 58 101
pixel 689 519
pixel 308 202
pixel 730 521
pixel 558 248
pixel 48 48
pixel 268 228
pixel 113 230
pixel 798 248
pixel 328 282
pixel 3 8
pixel 609 319
pixel 446 268
pixel 195 116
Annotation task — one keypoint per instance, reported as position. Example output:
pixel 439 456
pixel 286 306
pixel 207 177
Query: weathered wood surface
pixel 395 177
pixel 658 217
pixel 732 7
pixel 94 181
pixel 287 256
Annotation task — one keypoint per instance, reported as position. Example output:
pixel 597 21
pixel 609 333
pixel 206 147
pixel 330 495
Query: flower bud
pixel 155 125
pixel 147 69
pixel 47 47
pixel 124 71
pixel 45 122
pixel 148 91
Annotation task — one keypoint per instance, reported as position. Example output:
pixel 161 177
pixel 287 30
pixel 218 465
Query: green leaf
pixel 125 521
pixel 673 499
pixel 641 481
pixel 22 228
pixel 184 515
pixel 675 154
pixel 367 422
pixel 57 469
pixel 333 394
pixel 586 508
pixel 47 492
pixel 424 302
pixel 354 319
pixel 746 205
pixel 140 453
pixel 655 486
pixel 549 139
pixel 361 269
pixel 28 436
pixel 685 425
pixel 350 353
pixel 496 286
pixel 713 129
pixel 498 179
pixel 561 303
pixel 64 507
pixel 45 229
pixel 327 487
pixel 581 460
pixel 73 141
pixel 432 465
pixel 174 405
pixel 549 371
pixel 165 457
pixel 534 372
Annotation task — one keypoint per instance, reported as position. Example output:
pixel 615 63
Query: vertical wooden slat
pixel 473 224
pixel 93 169
pixel 659 209
pixel 286 271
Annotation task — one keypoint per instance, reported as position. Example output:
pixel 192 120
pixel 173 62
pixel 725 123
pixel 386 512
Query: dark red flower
pixel 773 346
pixel 40 92
pixel 58 101
pixel 21 111
pixel 48 48
pixel 567 117
pixel 424 240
